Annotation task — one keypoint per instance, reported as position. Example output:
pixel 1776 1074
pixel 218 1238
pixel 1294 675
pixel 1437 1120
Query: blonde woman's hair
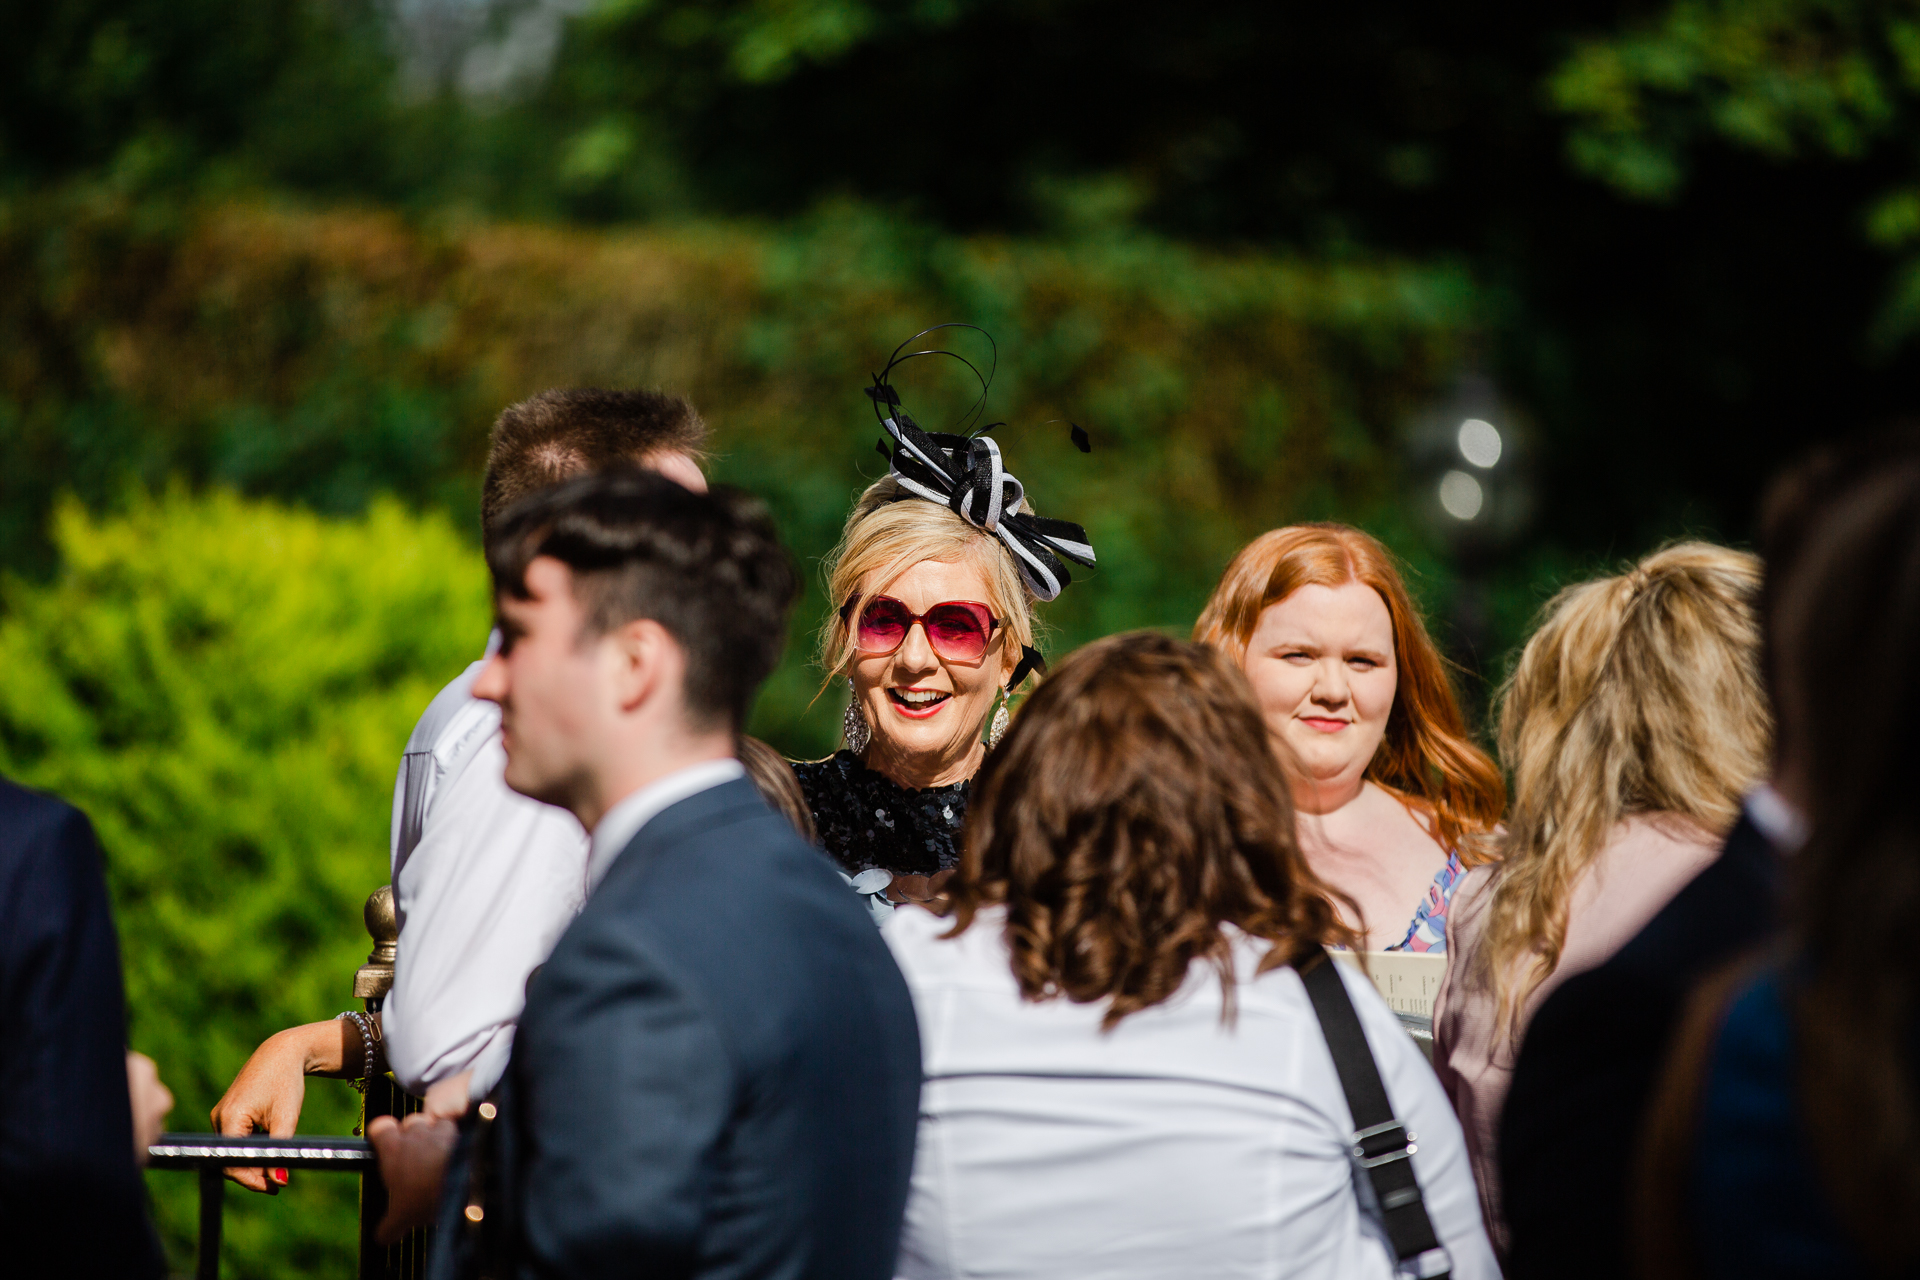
pixel 885 537
pixel 1639 693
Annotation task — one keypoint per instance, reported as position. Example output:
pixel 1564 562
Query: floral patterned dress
pixel 1428 932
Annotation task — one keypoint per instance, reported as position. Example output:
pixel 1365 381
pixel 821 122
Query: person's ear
pixel 678 467
pixel 645 660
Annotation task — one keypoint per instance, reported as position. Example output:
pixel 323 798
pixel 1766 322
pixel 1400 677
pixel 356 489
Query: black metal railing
pixel 383 1096
pixel 211 1155
pixel 406 1259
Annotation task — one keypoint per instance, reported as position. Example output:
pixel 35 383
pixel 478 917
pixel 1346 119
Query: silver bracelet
pixel 363 1025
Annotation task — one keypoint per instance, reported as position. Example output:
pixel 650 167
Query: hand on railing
pixel 151 1102
pixel 270 1090
pixel 413 1163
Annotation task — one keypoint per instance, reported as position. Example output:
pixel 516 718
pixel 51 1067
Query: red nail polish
pixel 280 1176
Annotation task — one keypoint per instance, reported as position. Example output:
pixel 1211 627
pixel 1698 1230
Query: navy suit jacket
pixel 717 1073
pixel 68 1183
pixel 1593 1054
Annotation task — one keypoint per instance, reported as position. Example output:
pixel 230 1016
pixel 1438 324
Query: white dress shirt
pixel 1170 1146
pixel 484 881
pixel 620 824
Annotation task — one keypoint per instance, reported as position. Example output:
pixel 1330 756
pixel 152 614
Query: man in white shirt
pixel 485 879
pixel 717 1072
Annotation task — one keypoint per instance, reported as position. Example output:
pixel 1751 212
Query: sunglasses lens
pixel 958 631
pixel 883 625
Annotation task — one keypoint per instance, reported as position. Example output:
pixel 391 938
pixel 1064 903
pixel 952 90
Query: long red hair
pixel 1426 758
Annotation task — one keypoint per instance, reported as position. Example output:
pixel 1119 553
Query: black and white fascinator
pixel 967 474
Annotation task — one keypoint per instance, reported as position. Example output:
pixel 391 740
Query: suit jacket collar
pixel 618 826
pixel 714 806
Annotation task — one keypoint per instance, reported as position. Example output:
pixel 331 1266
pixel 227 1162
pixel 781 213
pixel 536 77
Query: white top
pixel 620 824
pixel 1171 1146
pixel 484 883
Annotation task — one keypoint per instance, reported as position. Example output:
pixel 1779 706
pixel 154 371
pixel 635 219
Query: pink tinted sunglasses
pixel 958 630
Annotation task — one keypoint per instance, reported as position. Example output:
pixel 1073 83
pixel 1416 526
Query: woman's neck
pixel 917 773
pixel 1324 797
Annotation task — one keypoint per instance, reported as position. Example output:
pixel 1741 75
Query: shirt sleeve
pixel 481 899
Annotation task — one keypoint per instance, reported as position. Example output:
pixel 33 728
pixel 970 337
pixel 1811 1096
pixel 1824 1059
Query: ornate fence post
pixel 406 1260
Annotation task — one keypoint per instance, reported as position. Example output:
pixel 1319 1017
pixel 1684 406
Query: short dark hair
pixel 565 431
pixel 708 567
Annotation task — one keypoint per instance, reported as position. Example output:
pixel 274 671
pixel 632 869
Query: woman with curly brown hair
pixel 1124 1073
pixel 1393 796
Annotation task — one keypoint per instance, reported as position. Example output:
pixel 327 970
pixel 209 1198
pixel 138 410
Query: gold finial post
pixel 384 1097
pixel 374 979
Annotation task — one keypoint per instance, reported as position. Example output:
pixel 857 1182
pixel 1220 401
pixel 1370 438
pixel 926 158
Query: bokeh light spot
pixel 1479 443
pixel 1460 495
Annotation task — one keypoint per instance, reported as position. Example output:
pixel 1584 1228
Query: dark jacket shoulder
pixel 37 826
pixel 1732 906
pixel 717 1072
pixel 66 1125
pixel 736 905
pixel 1591 1056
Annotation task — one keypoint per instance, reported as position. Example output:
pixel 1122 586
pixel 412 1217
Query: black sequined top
pixel 867 820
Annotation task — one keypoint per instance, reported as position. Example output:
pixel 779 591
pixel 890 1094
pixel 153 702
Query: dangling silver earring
pixel 853 726
pixel 1000 717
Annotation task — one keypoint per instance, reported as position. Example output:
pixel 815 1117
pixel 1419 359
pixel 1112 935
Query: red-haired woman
pixel 1389 790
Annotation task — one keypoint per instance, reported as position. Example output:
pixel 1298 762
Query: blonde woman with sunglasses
pixel 933 586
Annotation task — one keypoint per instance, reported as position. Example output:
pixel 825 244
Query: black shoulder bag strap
pixel 1380 1144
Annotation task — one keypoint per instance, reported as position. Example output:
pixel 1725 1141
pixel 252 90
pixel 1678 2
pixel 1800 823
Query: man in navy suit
pixel 718 1070
pixel 69 1188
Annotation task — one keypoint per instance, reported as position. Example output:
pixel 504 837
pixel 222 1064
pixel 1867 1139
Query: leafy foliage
pixel 1786 79
pixel 161 89
pixel 1780 77
pixel 225 686
pixel 323 357
pixel 1763 299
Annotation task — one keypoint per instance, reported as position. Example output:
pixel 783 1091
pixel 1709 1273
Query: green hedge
pixel 327 356
pixel 225 687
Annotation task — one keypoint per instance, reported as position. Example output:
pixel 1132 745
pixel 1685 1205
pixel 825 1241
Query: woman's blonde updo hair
pixel 1639 693
pixel 885 536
